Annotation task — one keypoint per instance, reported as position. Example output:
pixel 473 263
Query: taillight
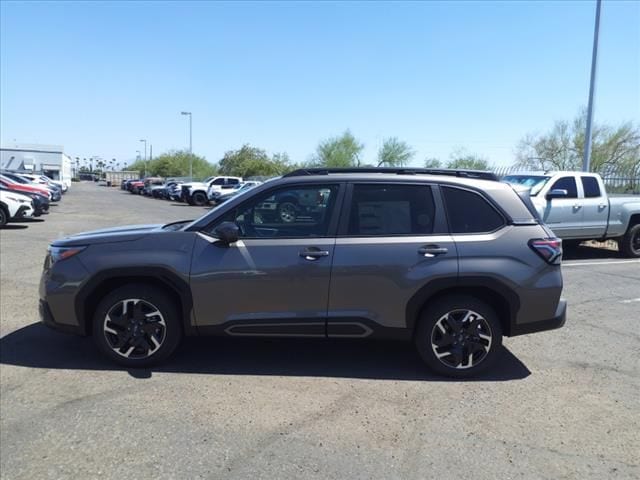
pixel 550 249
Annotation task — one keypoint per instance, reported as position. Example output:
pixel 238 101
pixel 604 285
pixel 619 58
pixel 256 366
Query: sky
pixel 97 77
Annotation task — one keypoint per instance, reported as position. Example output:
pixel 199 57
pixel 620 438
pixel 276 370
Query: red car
pixel 21 187
pixel 136 187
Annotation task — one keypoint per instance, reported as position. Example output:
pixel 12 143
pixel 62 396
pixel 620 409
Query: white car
pixel 14 205
pixel 199 193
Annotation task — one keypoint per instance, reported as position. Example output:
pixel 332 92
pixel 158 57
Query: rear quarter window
pixel 470 212
pixel 591 187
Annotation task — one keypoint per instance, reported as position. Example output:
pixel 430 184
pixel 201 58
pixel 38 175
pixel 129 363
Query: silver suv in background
pixel 451 260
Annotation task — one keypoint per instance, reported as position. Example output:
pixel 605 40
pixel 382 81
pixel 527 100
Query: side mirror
pixel 557 193
pixel 227 232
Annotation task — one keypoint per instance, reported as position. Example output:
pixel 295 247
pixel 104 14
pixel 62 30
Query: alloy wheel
pixel 287 212
pixel 461 339
pixel 134 328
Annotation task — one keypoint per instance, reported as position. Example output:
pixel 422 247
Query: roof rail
pixel 452 172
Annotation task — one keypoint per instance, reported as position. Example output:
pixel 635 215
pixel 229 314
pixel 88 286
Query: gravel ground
pixel 561 404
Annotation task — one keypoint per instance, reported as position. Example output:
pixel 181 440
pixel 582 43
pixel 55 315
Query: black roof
pixel 452 172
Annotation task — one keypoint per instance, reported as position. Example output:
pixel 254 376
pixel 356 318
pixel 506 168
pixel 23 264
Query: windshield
pixel 534 182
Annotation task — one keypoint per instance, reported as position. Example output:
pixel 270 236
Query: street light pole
pixel 145 156
pixel 586 162
pixel 190 144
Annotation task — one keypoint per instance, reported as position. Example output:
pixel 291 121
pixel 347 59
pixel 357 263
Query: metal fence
pixel 616 180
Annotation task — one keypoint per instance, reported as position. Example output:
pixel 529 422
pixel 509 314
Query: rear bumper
pixel 46 317
pixel 540 326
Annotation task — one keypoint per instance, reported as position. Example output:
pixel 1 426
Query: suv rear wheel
pixel 137 325
pixel 459 336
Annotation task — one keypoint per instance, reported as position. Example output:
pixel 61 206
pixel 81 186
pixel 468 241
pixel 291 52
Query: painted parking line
pixel 577 263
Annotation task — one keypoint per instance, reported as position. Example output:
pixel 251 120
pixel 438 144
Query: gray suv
pixel 449 259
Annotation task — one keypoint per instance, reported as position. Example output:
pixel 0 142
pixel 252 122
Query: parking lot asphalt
pixel 560 404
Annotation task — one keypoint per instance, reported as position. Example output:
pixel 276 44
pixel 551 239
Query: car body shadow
pixel 36 346
pixel 590 251
pixel 13 226
pixel 27 220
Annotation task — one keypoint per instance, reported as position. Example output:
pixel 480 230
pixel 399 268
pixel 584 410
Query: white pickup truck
pixel 575 205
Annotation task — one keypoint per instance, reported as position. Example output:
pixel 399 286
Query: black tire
pixel 135 327
pixel 481 323
pixel 287 212
pixel 199 199
pixel 4 216
pixel 629 244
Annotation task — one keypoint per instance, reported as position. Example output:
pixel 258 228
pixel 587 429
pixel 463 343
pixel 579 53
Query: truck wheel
pixel 458 336
pixel 137 325
pixel 199 199
pixel 629 245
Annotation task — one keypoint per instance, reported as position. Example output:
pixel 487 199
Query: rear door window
pixel 470 212
pixel 388 209
pixel 591 187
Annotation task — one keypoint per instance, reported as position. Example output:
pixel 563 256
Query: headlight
pixel 16 199
pixel 62 253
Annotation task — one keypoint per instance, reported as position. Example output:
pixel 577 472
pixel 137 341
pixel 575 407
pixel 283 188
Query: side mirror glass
pixel 227 232
pixel 557 193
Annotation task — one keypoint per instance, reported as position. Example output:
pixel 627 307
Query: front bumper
pixel 46 317
pixel 24 211
pixel 557 321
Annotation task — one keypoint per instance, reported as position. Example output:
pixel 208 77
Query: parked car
pixel 14 206
pixel 199 193
pixel 174 192
pixel 40 202
pixel 576 207
pixel 150 183
pixel 222 195
pixel 136 186
pixel 44 180
pixel 24 187
pixel 54 191
pixel 451 260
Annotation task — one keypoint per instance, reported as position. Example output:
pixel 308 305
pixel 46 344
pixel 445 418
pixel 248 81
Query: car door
pixel 595 206
pixel 274 281
pixel 564 215
pixel 392 242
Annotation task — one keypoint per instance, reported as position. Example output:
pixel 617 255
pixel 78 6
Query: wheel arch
pixel 633 220
pixel 498 295
pixel 102 284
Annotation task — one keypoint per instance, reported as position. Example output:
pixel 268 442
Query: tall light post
pixel 190 144
pixel 145 155
pixel 586 162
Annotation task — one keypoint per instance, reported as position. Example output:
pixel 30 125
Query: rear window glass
pixel 591 187
pixel 469 212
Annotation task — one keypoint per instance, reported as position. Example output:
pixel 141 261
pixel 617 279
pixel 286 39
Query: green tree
pixel 613 148
pixel 250 161
pixel 394 153
pixel 431 162
pixel 175 163
pixel 342 151
pixel 462 159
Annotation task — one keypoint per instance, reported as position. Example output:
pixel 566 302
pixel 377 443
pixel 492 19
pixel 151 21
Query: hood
pixel 107 235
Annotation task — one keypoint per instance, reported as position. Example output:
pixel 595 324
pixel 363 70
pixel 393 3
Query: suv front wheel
pixel 137 325
pixel 459 336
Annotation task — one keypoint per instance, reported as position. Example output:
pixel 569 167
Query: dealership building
pixel 49 160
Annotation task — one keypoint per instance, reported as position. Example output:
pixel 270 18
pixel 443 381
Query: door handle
pixel 432 250
pixel 577 206
pixel 602 206
pixel 313 253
